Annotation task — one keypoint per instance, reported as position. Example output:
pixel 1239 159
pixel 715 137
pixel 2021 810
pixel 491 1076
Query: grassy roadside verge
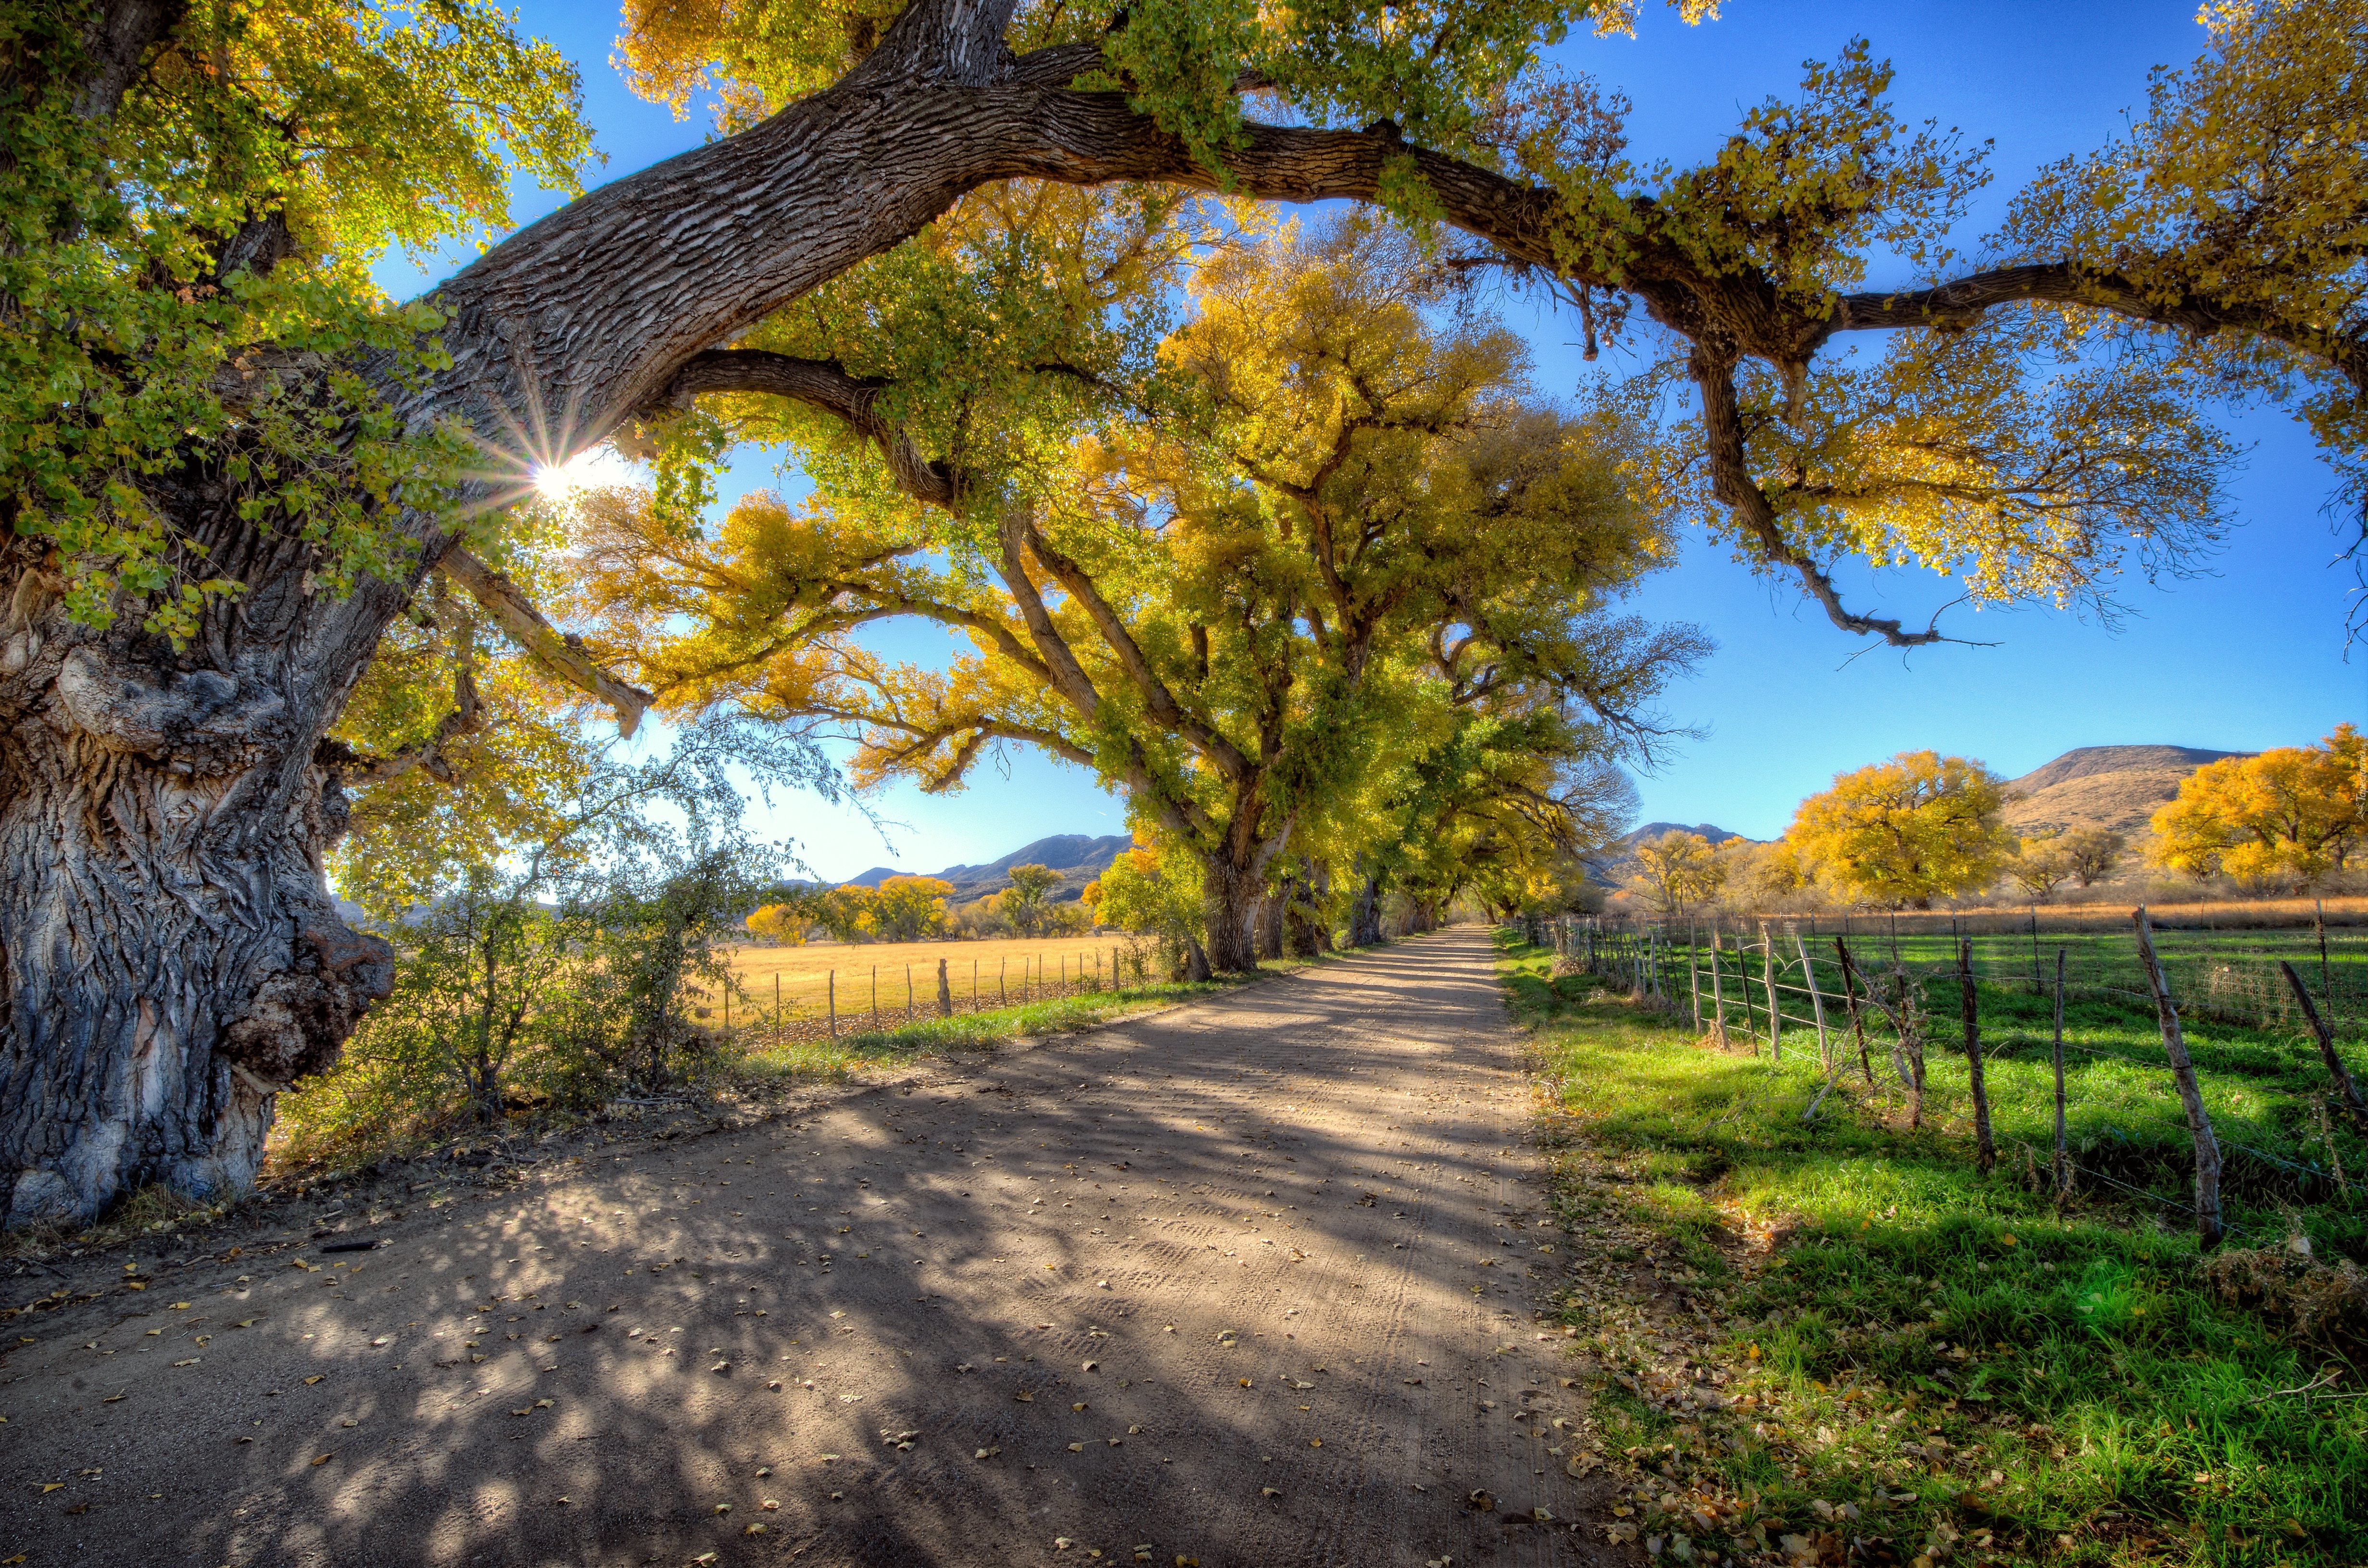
pixel 1833 1342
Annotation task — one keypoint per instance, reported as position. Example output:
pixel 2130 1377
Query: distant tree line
pixel 1921 827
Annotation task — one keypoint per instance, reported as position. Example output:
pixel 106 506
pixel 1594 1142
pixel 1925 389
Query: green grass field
pixel 1937 1364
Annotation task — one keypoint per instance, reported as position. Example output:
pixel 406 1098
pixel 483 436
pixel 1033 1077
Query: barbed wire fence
pixel 1869 994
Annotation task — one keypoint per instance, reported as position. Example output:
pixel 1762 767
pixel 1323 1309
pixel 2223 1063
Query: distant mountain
pixel 2114 787
pixel 1612 866
pixel 1077 857
pixel 1655 830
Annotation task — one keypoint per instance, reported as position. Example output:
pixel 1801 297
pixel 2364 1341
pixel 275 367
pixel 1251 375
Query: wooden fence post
pixel 2326 980
pixel 1002 991
pixel 2323 1032
pixel 777 998
pixel 2063 1161
pixel 834 1003
pixel 2199 1123
pixel 1768 983
pixel 875 997
pixel 1694 975
pixel 1817 1003
pixel 1717 996
pixel 1858 1021
pixel 945 992
pixel 908 991
pixel 1912 1037
pixel 1985 1148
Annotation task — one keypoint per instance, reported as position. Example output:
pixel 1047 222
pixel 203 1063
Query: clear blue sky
pixel 2249 654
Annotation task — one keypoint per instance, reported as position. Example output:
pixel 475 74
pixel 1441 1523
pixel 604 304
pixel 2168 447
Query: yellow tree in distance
pixel 1903 833
pixel 1677 869
pixel 905 909
pixel 2294 813
pixel 784 925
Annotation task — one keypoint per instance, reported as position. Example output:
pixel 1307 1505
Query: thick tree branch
pixel 825 385
pixel 561 655
pixel 1731 481
pixel 1069 677
pixel 1962 301
pixel 467 718
pixel 1157 700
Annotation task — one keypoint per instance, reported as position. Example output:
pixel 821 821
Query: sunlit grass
pixel 2127 1412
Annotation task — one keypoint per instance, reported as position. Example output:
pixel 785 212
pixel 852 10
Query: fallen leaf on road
pixel 756 1528
pixel 318 1376
pixel 323 1459
pixel 1270 1492
pixel 190 1362
pixel 1076 1448
pixel 1024 1397
pixel 987 1453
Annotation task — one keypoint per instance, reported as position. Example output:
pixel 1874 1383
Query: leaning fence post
pixel 2182 1070
pixel 945 992
pixel 2323 1032
pixel 2063 1161
pixel 834 1003
pixel 1858 1020
pixel 1817 1003
pixel 1985 1148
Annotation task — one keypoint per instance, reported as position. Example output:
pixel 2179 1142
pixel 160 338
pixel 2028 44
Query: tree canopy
pixel 2290 814
pixel 1903 833
pixel 229 468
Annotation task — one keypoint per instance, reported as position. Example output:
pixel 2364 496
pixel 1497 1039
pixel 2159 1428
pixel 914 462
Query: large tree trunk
pixel 1305 931
pixel 170 957
pixel 1271 912
pixel 1365 913
pixel 1229 906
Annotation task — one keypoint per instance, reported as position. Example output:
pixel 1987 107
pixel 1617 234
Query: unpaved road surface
pixel 1246 1283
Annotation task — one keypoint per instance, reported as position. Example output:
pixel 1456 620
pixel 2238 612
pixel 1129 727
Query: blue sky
pixel 2249 654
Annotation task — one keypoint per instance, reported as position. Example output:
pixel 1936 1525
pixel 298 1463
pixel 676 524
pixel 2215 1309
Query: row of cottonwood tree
pixel 264 564
pixel 1920 826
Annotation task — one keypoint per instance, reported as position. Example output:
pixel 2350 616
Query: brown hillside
pixel 2117 787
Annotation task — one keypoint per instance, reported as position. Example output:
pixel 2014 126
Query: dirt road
pixel 1246 1283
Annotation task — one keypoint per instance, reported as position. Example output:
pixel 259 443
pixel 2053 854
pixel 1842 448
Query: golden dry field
pixel 800 976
